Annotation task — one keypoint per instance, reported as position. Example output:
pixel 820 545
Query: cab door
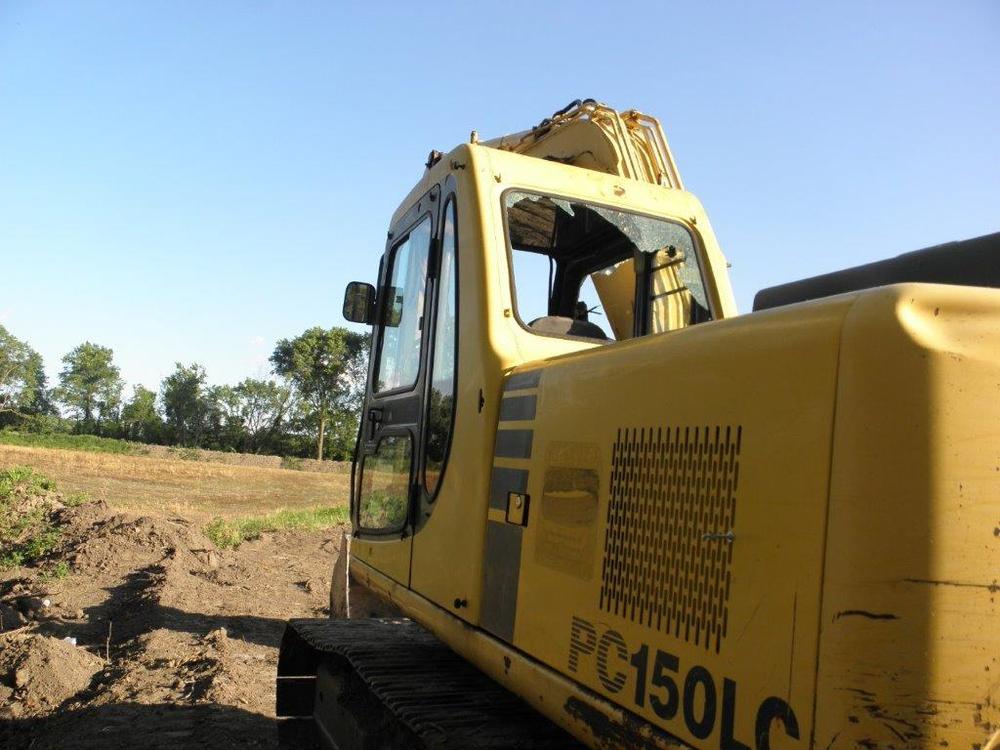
pixel 391 430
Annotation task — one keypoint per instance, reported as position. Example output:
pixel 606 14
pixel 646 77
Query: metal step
pixel 384 683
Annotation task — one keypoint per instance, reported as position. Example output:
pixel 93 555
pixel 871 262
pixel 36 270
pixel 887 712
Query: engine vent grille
pixel 670 486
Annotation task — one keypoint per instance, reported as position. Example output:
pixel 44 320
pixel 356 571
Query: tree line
pixel 309 407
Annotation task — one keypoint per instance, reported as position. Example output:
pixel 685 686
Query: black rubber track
pixel 435 694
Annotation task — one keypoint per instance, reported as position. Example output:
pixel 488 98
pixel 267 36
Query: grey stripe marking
pixel 514 443
pixel 521 380
pixel 504 481
pixel 517 407
pixel 503 572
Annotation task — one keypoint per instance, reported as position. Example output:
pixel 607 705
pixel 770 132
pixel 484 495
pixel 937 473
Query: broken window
pixel 592 272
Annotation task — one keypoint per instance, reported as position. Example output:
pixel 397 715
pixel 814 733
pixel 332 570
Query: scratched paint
pixel 909 641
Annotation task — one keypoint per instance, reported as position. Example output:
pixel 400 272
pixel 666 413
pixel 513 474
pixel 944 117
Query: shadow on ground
pixel 134 726
pixel 132 609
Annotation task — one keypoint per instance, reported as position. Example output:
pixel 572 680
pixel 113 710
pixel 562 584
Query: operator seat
pixel 554 324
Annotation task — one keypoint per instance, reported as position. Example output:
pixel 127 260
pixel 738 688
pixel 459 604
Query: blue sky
pixel 191 181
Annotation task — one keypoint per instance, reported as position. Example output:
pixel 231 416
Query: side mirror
pixel 359 303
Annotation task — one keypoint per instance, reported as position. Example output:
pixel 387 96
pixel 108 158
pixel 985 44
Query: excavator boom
pixel 593 136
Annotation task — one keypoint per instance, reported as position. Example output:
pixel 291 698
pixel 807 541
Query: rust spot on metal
pixel 622 730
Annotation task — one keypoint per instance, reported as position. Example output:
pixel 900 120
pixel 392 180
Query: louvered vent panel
pixel 669 487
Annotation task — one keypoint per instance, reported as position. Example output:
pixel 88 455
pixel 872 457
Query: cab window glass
pixel 384 498
pixel 441 406
pixel 677 294
pixel 582 270
pixel 402 311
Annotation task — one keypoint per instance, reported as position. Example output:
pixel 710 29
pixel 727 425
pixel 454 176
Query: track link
pixel 394 684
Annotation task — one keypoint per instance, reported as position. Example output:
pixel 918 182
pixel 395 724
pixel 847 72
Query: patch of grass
pixel 76 499
pixel 33 482
pixel 40 543
pixel 232 533
pixel 291 462
pixel 185 454
pixel 25 535
pixel 56 573
pixel 91 443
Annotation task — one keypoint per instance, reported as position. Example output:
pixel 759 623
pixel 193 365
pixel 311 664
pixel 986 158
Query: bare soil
pixel 155 638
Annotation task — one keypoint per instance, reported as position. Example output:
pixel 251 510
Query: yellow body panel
pixel 391 556
pixel 910 641
pixel 770 379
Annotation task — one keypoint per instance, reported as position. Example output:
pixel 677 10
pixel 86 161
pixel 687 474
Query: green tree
pixel 40 403
pixel 248 417
pixel 90 385
pixel 22 377
pixel 355 376
pixel 140 421
pixel 261 407
pixel 343 433
pixel 349 407
pixel 318 365
pixel 186 404
pixel 223 428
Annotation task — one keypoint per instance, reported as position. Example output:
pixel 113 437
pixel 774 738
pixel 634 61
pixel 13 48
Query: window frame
pixel 696 241
pixel 382 306
pixel 394 530
pixel 450 201
pixel 399 410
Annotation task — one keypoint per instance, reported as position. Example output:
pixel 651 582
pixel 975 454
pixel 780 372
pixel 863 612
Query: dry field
pixel 197 490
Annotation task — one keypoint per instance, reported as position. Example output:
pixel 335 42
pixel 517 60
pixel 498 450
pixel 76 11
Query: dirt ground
pixel 155 638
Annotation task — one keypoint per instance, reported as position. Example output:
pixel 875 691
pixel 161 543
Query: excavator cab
pixel 506 252
pixel 564 241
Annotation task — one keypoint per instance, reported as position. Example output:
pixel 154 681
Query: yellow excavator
pixel 593 507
